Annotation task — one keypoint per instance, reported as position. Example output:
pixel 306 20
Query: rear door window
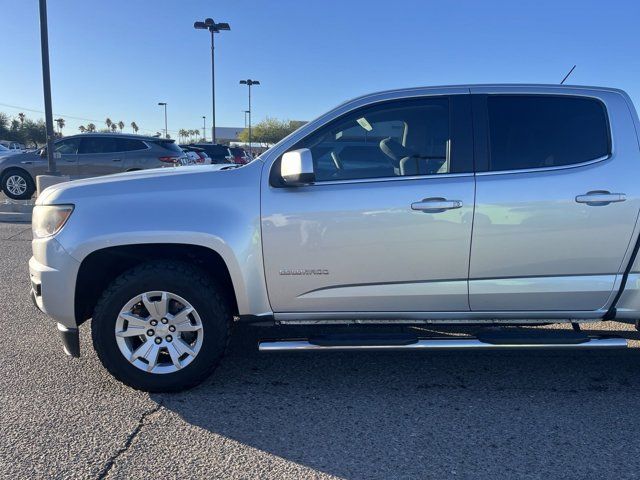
pixel 98 145
pixel 539 131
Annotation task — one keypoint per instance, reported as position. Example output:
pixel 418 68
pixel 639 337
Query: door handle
pixel 116 160
pixel 600 197
pixel 436 205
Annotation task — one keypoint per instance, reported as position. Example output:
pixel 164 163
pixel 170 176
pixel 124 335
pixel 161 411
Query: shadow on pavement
pixel 426 414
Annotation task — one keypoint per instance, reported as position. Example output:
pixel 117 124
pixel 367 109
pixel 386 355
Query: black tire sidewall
pixel 30 185
pixel 213 313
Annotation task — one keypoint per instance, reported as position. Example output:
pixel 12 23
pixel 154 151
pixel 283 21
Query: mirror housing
pixel 296 167
pixel 43 152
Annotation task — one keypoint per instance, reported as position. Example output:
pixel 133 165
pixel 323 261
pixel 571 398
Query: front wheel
pixel 18 184
pixel 162 326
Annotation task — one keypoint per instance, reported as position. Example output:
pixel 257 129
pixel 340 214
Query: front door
pixel 387 225
pixel 555 206
pixel 66 153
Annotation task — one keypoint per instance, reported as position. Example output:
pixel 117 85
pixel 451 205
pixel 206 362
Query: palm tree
pixel 60 122
pixel 91 127
pixel 120 125
pixel 135 127
pixel 108 122
pixel 114 127
pixel 21 117
pixel 82 128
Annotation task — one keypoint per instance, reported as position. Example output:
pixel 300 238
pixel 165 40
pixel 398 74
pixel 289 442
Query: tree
pixel 4 124
pixel 82 128
pixel 120 125
pixel 135 127
pixel 61 123
pixel 270 130
pixel 34 132
pixel 108 122
pixel 114 127
pixel 21 117
pixel 91 127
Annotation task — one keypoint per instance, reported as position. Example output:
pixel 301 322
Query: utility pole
pixel 46 82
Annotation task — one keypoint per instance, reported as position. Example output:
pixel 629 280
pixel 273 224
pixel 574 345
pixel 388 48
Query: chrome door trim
pixel 389 179
pixel 544 169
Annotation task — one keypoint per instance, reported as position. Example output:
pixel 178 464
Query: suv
pixel 88 155
pixel 218 153
pixel 475 205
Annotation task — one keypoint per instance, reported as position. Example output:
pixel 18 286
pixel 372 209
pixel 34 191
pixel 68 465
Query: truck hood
pixel 159 182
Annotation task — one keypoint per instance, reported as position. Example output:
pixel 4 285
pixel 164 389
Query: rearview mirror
pixel 296 167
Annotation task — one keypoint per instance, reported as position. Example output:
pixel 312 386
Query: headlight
pixel 47 220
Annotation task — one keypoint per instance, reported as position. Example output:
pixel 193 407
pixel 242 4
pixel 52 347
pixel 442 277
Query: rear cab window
pixel 542 131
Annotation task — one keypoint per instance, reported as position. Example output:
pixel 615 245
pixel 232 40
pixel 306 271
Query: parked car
pixel 17 147
pixel 476 205
pixel 5 152
pixel 88 155
pixel 240 155
pixel 218 153
pixel 198 155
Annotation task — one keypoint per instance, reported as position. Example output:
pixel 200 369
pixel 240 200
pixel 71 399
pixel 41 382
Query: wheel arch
pixel 99 268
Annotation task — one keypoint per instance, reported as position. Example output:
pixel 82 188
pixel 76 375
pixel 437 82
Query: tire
pixel 17 184
pixel 184 282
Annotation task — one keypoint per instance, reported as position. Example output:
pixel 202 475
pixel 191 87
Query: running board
pixel 409 342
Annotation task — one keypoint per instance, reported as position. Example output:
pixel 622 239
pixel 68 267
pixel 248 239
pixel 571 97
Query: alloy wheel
pixel 16 185
pixel 159 332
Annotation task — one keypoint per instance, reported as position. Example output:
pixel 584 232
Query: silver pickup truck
pixel 497 205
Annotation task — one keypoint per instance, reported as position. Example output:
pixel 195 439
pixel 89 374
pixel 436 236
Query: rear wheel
pixel 162 326
pixel 18 184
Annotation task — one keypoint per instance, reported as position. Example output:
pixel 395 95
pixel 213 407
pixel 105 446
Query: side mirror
pixel 43 152
pixel 296 167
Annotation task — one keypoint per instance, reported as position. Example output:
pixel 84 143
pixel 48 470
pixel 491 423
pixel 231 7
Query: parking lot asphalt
pixel 342 415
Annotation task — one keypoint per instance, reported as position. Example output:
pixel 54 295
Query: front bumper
pixel 53 274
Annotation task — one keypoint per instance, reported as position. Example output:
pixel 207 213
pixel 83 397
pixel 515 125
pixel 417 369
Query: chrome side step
pixel 437 344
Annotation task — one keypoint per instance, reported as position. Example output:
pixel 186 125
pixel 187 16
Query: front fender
pixel 215 210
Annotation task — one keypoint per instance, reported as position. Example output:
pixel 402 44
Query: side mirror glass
pixel 296 167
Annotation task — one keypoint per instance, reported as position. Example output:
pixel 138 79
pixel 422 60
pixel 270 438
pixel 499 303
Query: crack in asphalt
pixel 18 234
pixel 127 444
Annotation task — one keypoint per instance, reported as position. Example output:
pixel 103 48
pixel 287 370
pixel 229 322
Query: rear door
pixel 99 155
pixel 556 205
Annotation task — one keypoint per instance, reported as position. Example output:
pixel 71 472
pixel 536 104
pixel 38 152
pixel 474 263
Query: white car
pixel 5 152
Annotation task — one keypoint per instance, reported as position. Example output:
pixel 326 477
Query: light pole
pixel 248 82
pixel 46 82
pixel 166 132
pixel 204 127
pixel 245 118
pixel 213 27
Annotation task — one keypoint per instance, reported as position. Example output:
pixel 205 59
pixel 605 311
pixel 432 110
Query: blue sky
pixel 119 58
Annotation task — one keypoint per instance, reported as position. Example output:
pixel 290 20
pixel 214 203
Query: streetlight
pixel 204 127
pixel 166 132
pixel 248 83
pixel 213 27
pixel 245 118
